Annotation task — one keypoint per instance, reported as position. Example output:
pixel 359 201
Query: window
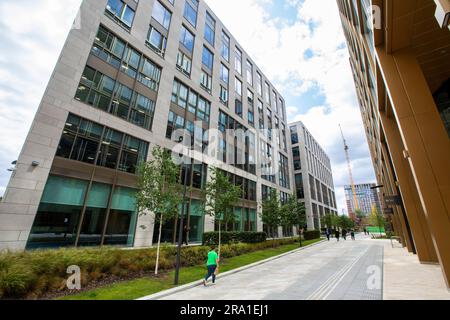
pixel 190 11
pixel 156 41
pixel 261 115
pixel 108 47
pixel 259 83
pixel 251 107
pixel 281 108
pixel 130 63
pixel 207 58
pixel 121 12
pixel 274 101
pixel 238 86
pixel 206 81
pixel 225 50
pixel 284 171
pixel 267 93
pixel 249 73
pixel 224 95
pixel 184 63
pixel 104 93
pixel 238 61
pixel 180 94
pixel 89 142
pixel 238 107
pixel 294 135
pixel 210 29
pixel 224 73
pixel 149 74
pixel 187 39
pixel 299 186
pixel 174 122
pixel 161 14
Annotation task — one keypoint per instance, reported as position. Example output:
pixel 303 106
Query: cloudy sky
pixel 298 44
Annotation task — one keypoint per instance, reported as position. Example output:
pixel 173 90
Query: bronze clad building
pixel 401 67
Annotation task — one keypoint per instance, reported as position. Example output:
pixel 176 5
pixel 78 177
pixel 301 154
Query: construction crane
pixel 352 183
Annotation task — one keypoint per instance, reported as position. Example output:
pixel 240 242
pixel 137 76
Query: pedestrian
pixel 212 264
pixel 365 231
pixel 344 234
pixel 328 234
pixel 337 234
pixel 186 230
pixel 352 234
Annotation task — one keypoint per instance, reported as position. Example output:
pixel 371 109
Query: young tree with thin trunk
pixel 293 213
pixel 271 212
pixel 159 190
pixel 220 197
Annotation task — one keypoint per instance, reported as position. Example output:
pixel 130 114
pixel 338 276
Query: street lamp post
pixel 180 231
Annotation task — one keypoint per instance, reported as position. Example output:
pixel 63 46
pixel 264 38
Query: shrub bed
pixel 33 274
pixel 233 237
pixel 311 234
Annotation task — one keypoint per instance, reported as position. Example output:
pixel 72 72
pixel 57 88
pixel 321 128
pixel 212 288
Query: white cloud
pixel 33 34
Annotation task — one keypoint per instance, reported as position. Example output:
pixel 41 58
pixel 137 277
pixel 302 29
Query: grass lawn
pixel 129 290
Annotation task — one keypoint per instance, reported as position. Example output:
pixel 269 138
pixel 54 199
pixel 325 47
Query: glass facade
pixel 89 142
pixel 85 213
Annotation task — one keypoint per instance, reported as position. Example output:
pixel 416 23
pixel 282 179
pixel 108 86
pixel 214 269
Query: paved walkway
pixel 364 269
pixel 330 270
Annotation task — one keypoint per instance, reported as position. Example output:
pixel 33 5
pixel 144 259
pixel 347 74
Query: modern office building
pixel 400 56
pixel 130 75
pixel 366 198
pixel 313 177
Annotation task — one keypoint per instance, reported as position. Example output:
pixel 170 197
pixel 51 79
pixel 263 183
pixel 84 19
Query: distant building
pixel 312 175
pixel 366 197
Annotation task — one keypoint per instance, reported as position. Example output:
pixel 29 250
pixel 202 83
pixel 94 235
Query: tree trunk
pixel 159 246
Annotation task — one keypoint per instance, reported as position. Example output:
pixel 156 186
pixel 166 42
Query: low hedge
pixel 311 234
pixel 33 274
pixel 210 238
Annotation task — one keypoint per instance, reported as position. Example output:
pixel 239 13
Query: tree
pixel 220 197
pixel 377 219
pixel 159 190
pixel 271 212
pixel 359 216
pixel 345 222
pixel 293 213
pixel 327 220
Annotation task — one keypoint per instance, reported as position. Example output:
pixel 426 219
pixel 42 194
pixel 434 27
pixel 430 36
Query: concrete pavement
pixel 329 270
pixel 364 269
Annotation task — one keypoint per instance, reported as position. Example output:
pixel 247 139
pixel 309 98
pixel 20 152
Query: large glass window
pixel 249 73
pixel 156 41
pixel 190 11
pixel 207 58
pixel 187 39
pixel 161 14
pixel 259 83
pixel 184 63
pixel 224 73
pixel 299 186
pixel 210 29
pixel 238 60
pixel 121 12
pixel 104 93
pixel 86 141
pixel 225 49
pixel 238 86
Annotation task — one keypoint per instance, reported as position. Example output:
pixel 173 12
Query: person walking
pixel 337 234
pixel 344 234
pixel 212 264
pixel 365 231
pixel 328 234
pixel 352 234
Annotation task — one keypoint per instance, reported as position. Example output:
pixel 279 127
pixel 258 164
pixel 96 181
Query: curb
pixel 191 285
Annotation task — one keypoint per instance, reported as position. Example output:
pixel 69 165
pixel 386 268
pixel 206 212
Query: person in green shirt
pixel 212 264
